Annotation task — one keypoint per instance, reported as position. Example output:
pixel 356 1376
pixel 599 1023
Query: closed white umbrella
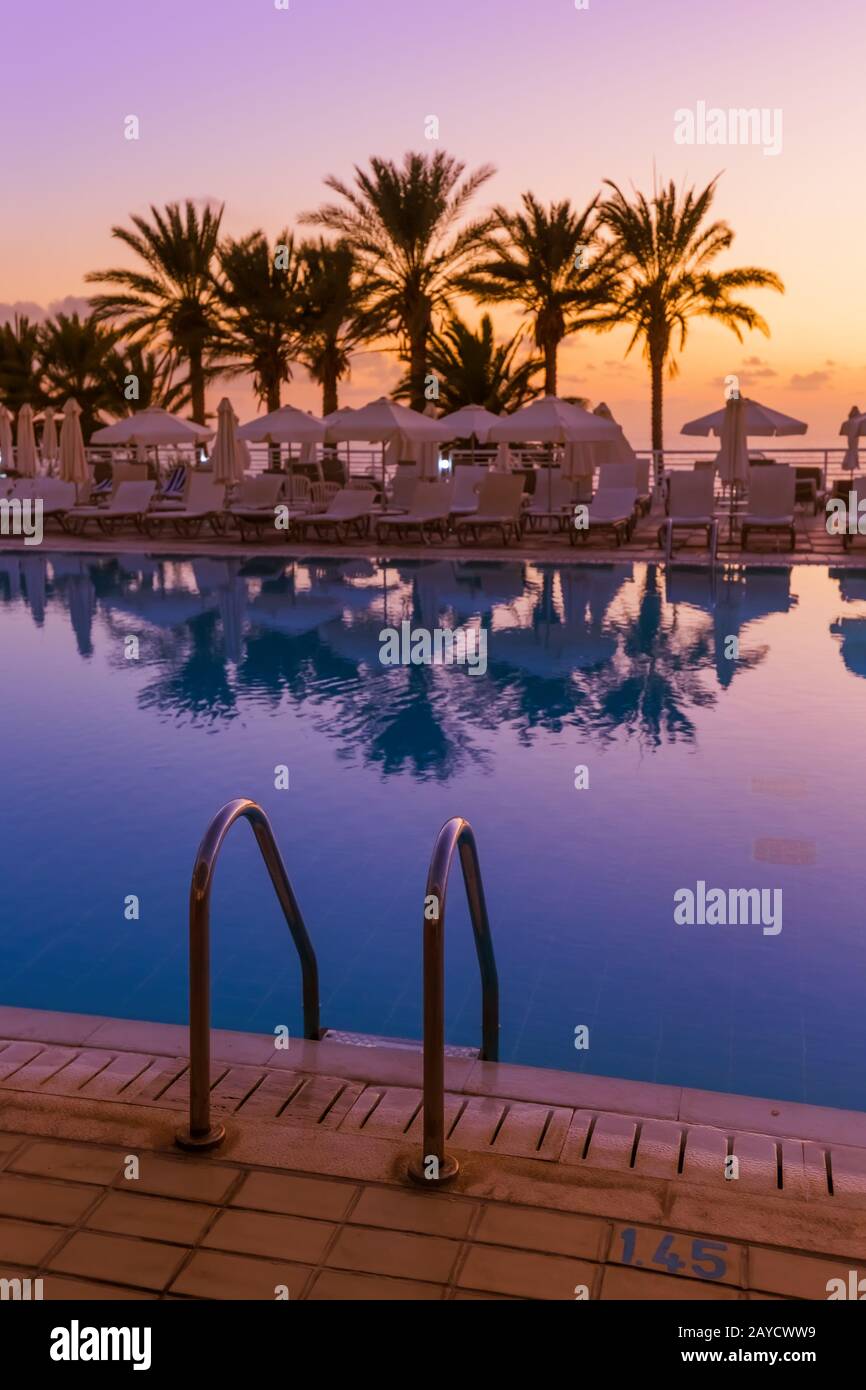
pixel 153 426
pixel 733 457
pixel 853 427
pixel 7 458
pixel 49 438
pixel 25 454
pixel 73 461
pixel 226 458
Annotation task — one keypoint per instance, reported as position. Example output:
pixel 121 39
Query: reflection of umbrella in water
pixel 81 597
pixel 738 598
pixel 33 574
pixel 220 578
pixel 852 584
pixel 852 632
pixel 10 568
pixel 554 647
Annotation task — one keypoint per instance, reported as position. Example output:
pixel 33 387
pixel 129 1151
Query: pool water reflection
pixel 739 764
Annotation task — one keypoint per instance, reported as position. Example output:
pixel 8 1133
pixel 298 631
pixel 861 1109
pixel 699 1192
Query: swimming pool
pixel 738 771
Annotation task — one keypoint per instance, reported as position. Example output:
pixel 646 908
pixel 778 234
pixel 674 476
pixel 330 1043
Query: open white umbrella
pixel 550 420
pixel 25 454
pixel 758 419
pixel 49 438
pixel 7 458
pixel 73 461
pixel 470 422
pixel 153 426
pixel 385 422
pixel 288 425
pixel 227 458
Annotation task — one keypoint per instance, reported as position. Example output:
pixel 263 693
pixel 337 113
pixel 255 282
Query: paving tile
pixel 338 1285
pixel 168 1084
pixel 658 1150
pixel 144 1264
pixel 849 1175
pixel 478 1123
pixel 634 1284
pixel 46 1025
pixel 156 1218
pixel 523 1274
pixel 212 1274
pixel 798 1276
pixel 76 1162
pixel 25 1242
pixel 14 1056
pixel 230 1086
pixel 533 1131
pixel 269 1098
pixel 62 1287
pixel 818 1227
pixel 8 1142
pixel 428 1213
pixel 322 1100
pixel 704 1156
pixel 427 1258
pixel 188 1178
pixel 576 1138
pixel 274 1237
pixel 758 1163
pixel 111 1082
pixel 573 1090
pixel 81 1068
pixel 36 1200
pixel 131 1035
pixel 47 1061
pixel 554 1233
pixel 158 1075
pixel 612 1142
pixel 815 1122
pixel 295 1196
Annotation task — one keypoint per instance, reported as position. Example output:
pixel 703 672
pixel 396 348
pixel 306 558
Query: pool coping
pixel 381 1065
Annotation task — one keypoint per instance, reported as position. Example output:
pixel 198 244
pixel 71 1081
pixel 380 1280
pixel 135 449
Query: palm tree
pixel 663 252
pixel 401 223
pixel 20 368
pixel 540 259
pixel 154 384
pixel 473 369
pixel 75 354
pixel 334 323
pixel 173 300
pixel 260 296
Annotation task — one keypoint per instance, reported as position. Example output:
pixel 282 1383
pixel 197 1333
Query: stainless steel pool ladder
pixel 201 1133
pixel 433 1166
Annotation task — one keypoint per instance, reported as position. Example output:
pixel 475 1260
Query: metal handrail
pixel 201 1133
pixel 455 834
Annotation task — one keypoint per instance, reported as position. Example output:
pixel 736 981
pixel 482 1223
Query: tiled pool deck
pixel 813 546
pixel 563 1177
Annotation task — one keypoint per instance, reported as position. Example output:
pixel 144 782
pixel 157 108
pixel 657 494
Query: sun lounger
pixel 205 502
pixel 772 489
pixel 634 473
pixel 254 505
pixel 691 507
pixel 611 509
pixel 428 512
pixel 174 492
pixel 129 503
pixel 551 501
pixel 402 493
pixel 467 479
pixel 348 512
pixel 500 498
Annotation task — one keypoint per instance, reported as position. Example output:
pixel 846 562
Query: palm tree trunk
pixel 272 396
pixel 196 383
pixel 330 399
pixel 657 366
pixel 417 369
pixel 550 368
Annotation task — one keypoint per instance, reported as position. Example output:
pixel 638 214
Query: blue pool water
pixel 747 772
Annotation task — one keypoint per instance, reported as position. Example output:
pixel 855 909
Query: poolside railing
pixel 201 1132
pixel 434 1166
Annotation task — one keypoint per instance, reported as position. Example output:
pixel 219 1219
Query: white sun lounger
pixel 467 479
pixel 428 513
pixel 552 500
pixel 129 503
pixel 611 509
pixel 205 502
pixel 691 507
pixel 500 498
pixel 349 511
pixel 772 491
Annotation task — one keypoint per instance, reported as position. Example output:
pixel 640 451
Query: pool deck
pixel 560 1175
pixel 814 547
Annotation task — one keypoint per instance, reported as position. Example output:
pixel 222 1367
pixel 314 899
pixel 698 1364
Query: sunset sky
pixel 244 103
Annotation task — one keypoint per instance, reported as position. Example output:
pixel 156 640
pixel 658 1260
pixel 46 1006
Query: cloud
pixel 811 381
pixel 37 313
